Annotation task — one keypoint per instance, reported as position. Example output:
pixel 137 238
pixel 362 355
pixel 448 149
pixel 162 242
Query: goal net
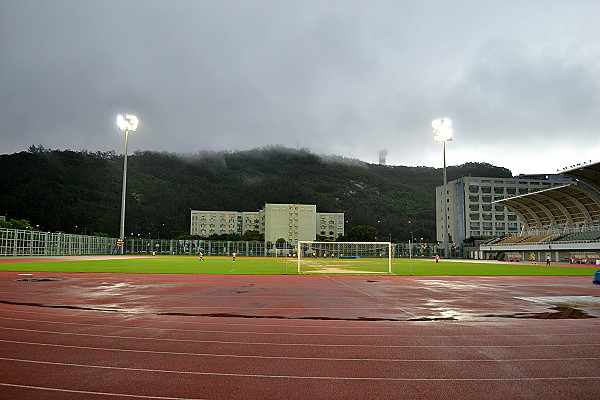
pixel 345 257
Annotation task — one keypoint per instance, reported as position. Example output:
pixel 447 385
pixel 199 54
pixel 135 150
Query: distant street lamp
pixel 442 132
pixel 127 123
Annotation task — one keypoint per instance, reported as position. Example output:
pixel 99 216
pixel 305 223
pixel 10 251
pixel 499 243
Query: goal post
pixel 345 257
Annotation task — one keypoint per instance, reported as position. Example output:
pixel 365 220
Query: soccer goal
pixel 345 257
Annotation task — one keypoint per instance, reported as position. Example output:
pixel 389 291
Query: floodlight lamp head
pixel 127 122
pixel 442 130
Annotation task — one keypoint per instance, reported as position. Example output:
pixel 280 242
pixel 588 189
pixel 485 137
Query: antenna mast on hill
pixel 382 156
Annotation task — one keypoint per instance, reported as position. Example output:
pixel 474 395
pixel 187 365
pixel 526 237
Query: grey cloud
pixel 338 77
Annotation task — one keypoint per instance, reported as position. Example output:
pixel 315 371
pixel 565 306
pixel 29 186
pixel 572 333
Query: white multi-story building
pixel 291 222
pixel 472 211
pixel 206 223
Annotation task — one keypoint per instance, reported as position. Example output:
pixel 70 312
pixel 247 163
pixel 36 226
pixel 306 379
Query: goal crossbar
pixel 345 257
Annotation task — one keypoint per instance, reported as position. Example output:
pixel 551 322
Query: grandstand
pixel 532 239
pixel 560 222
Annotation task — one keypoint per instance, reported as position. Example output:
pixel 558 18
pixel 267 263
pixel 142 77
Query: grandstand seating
pixel 538 238
pixel 529 239
pixel 508 240
pixel 581 236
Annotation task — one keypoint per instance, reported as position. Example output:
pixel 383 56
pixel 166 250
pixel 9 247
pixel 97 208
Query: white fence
pixel 207 247
pixel 15 242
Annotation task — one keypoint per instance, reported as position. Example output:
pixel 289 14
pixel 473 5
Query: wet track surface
pixel 95 336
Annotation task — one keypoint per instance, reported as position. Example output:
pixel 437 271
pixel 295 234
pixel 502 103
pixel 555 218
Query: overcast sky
pixel 520 79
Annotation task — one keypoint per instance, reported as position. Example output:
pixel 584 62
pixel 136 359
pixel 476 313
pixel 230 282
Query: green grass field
pixel 280 266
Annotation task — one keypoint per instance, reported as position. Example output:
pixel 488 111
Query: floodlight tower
pixel 442 132
pixel 127 123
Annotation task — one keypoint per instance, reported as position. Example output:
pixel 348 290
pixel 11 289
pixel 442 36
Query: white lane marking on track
pixel 445 346
pixel 153 328
pixel 303 358
pixel 348 286
pixel 343 378
pixel 112 316
pixel 137 396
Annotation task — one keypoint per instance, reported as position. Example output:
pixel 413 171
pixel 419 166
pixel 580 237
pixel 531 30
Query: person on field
pixel 547 260
pixel 234 254
pixel 533 259
pixel 200 256
pixel 437 258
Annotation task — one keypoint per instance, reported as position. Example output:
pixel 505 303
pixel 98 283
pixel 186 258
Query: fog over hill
pixel 63 190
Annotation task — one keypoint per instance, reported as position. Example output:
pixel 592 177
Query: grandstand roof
pixel 567 205
pixel 589 174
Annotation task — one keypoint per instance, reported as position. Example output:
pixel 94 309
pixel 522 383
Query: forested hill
pixel 81 191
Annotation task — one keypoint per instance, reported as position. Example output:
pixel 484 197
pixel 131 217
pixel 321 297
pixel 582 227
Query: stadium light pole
pixel 442 132
pixel 127 123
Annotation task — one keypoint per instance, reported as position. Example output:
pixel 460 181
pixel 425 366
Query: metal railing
pixel 19 243
pixel 15 242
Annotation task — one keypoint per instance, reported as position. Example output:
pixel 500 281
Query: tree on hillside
pixel 62 189
pixel 253 236
pixel 16 224
pixel 361 233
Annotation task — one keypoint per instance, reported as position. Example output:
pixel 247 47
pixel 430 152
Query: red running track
pixel 102 336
